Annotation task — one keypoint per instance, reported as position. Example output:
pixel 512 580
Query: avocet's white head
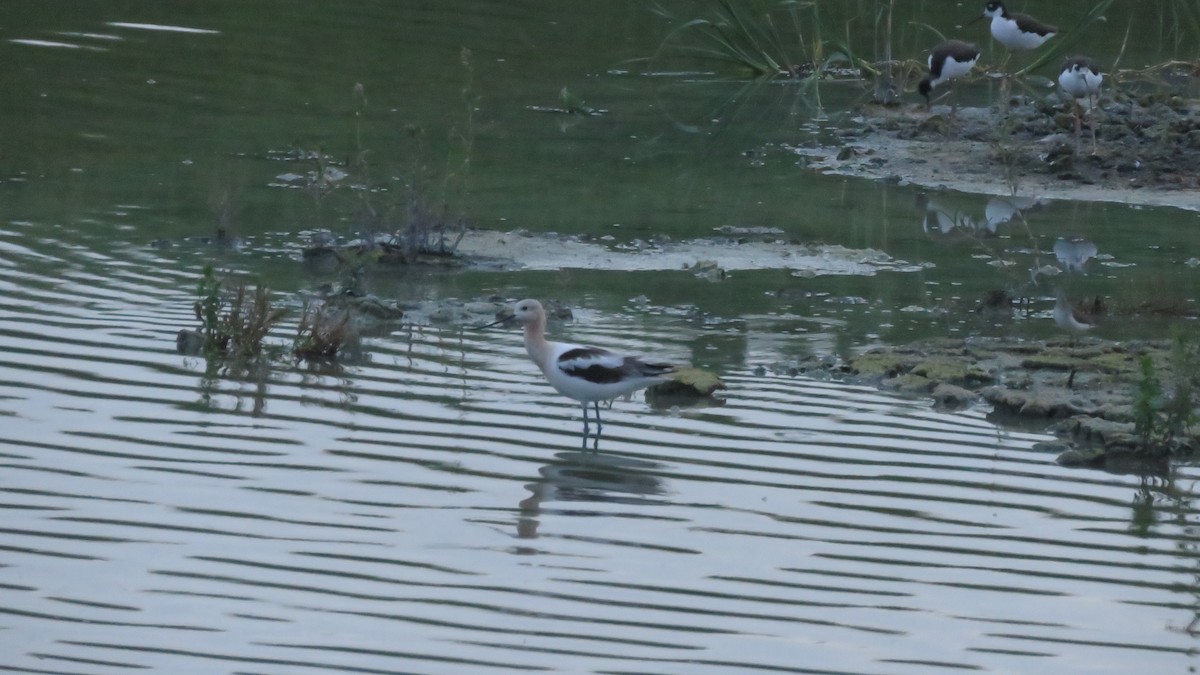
pixel 529 311
pixel 526 312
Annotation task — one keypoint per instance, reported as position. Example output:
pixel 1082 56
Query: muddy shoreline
pixel 1147 151
pixel 1083 392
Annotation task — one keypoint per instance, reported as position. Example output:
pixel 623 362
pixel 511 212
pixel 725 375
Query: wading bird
pixel 1081 79
pixel 948 61
pixel 586 374
pixel 1018 32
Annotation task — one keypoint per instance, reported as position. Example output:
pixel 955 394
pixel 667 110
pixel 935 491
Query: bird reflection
pixel 589 477
pixel 941 220
pixel 1072 255
pixel 1072 318
pixel 1000 210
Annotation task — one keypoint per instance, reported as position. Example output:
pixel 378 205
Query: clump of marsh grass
pixel 249 320
pixel 1164 409
pixel 428 223
pixel 232 324
pixel 321 333
pixel 208 307
pixel 780 40
pixel 221 202
pixel 235 323
pixel 427 228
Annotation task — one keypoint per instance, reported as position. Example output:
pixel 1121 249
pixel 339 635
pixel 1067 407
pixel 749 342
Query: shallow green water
pixel 423 507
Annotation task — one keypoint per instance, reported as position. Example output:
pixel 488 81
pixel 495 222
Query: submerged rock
pixel 708 270
pixel 373 306
pixel 1037 404
pixel 687 386
pixel 1099 431
pixel 881 364
pixel 952 397
pixel 189 342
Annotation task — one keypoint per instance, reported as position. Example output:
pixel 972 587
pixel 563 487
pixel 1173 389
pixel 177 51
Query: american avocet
pixel 586 374
pixel 1018 32
pixel 1081 78
pixel 948 61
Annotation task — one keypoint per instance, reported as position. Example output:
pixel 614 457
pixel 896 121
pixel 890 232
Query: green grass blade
pixel 1065 41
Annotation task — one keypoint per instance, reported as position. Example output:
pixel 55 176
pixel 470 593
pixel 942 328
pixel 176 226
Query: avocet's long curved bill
pixel 497 322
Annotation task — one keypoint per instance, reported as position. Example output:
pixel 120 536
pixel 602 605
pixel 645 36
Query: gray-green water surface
pixel 423 506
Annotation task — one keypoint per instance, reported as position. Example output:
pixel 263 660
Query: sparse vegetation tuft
pixel 250 319
pixel 321 333
pixel 1147 402
pixel 784 39
pixel 233 324
pixel 1165 409
pixel 420 219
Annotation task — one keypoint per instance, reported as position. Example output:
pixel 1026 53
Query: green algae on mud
pixel 688 387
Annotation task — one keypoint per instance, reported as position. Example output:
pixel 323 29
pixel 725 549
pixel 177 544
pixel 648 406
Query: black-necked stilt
pixel 586 374
pixel 948 61
pixel 1081 78
pixel 1018 32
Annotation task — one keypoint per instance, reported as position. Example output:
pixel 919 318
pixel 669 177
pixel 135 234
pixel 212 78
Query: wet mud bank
pixel 1147 149
pixel 1083 393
